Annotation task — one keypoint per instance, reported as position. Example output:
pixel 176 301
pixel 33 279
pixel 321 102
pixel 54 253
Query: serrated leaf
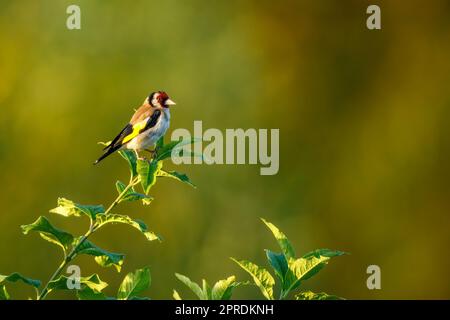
pixel 93 282
pixel 4 295
pixel 137 224
pixel 262 278
pixel 283 242
pixel 279 264
pixel 134 283
pixel 50 233
pixel 131 194
pixel 102 257
pixel 195 288
pixel 223 289
pixel 130 157
pixel 176 295
pixel 69 208
pixel 177 176
pixel 147 173
pixel 307 266
pixel 308 295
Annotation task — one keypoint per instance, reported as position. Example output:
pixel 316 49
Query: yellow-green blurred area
pixel 364 137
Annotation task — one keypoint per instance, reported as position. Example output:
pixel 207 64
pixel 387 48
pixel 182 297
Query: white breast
pixel 149 137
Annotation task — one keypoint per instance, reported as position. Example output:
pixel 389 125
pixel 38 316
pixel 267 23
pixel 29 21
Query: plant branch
pixel 92 229
pixel 132 183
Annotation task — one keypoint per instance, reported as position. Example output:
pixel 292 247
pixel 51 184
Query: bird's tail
pixel 111 150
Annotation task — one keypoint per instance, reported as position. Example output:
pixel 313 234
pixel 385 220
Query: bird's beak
pixel 170 103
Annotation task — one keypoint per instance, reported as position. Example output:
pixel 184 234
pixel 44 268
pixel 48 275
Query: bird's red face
pixel 160 99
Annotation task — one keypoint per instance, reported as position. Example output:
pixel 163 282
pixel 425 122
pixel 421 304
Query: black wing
pixel 116 143
pixel 118 139
pixel 152 121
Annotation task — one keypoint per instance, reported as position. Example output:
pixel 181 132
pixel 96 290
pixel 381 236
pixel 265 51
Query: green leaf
pixel 49 232
pixel 137 224
pixel 176 296
pixel 307 266
pixel 186 153
pixel 308 295
pixel 283 242
pixel 4 294
pixel 131 194
pixel 134 283
pixel 93 282
pixel 192 285
pixel 147 173
pixel 139 298
pixel 324 253
pixel 223 289
pixel 14 277
pixel 102 257
pixel 69 208
pixel 177 176
pixel 165 151
pixel 262 278
pixel 279 264
pixel 147 201
pixel 160 143
pixel 120 186
pixel 130 156
pixel 207 293
pixel 89 294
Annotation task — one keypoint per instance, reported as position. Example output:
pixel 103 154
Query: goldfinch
pixel 149 123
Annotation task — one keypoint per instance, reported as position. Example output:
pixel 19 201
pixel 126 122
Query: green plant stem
pixel 65 262
pixel 92 229
pixel 132 183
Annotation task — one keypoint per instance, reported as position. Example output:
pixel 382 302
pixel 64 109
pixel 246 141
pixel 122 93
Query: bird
pixel 147 125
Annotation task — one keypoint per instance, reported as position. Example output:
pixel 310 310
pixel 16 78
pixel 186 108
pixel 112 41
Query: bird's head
pixel 160 99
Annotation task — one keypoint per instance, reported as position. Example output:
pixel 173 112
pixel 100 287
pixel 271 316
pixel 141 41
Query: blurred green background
pixel 364 129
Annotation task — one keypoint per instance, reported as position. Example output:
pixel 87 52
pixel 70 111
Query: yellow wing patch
pixel 136 130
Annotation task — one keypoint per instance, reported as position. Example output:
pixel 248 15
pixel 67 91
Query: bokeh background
pixel 364 129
